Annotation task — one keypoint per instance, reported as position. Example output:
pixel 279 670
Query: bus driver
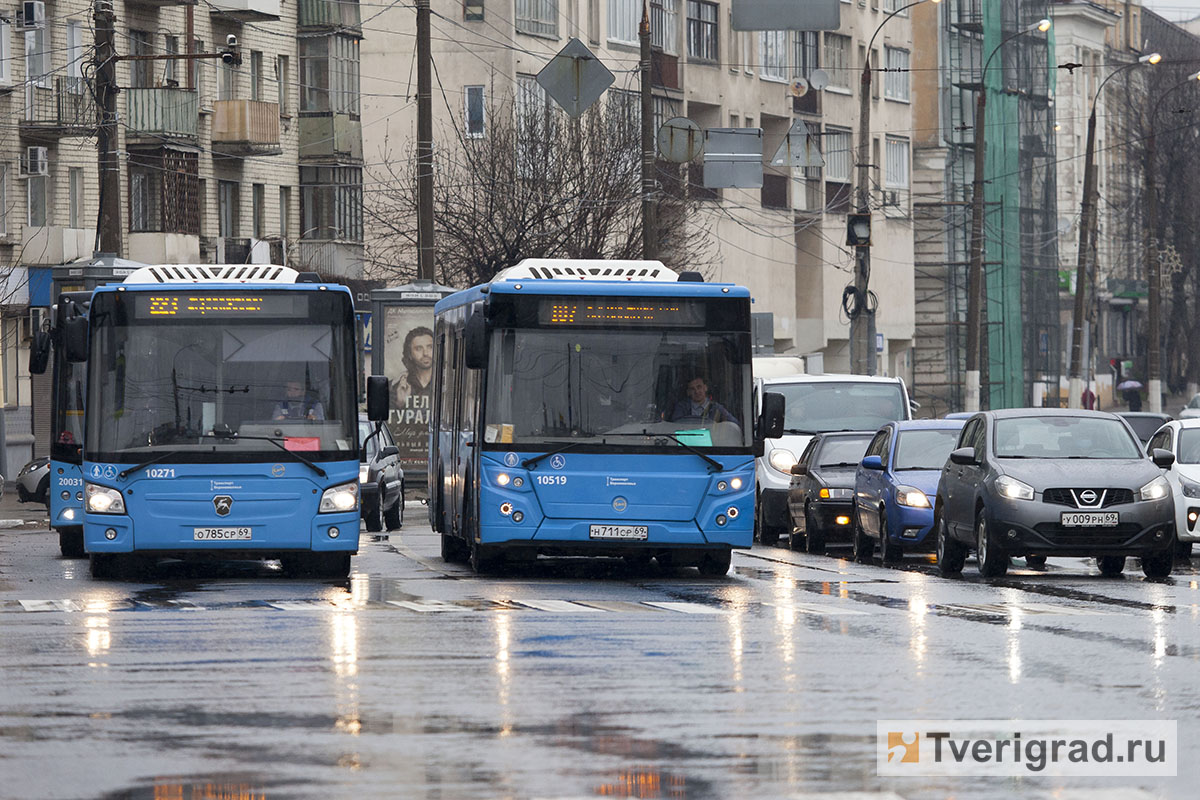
pixel 699 405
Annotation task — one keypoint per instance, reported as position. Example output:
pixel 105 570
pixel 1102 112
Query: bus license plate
pixel 619 532
pixel 1092 519
pixel 220 534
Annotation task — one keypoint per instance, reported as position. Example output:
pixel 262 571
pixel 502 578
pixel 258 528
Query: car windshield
pixel 926 449
pixel 822 406
pixel 1189 446
pixel 609 386
pixel 1064 437
pixel 842 451
pixel 1145 427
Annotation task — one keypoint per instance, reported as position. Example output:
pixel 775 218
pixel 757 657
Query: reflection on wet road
pixel 563 679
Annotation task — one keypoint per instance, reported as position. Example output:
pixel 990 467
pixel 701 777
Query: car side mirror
pixel 770 422
pixel 1163 459
pixel 799 470
pixel 872 462
pixel 389 451
pixel 378 397
pixel 39 353
pixel 75 339
pixel 963 456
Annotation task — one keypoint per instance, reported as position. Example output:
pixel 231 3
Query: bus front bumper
pixel 618 536
pixel 118 533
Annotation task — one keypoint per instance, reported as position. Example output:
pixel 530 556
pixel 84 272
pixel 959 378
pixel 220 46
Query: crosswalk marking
pixel 426 606
pixel 1005 609
pixel 50 605
pixel 686 608
pixel 422 606
pixel 558 606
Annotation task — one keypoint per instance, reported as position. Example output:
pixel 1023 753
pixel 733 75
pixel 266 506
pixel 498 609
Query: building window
pixel 473 10
pixel 5 52
pixel 837 155
pixel 141 73
pixel 329 74
pixel 664 25
pixel 37 59
pixel 538 17
pixel 285 210
pixel 806 58
pixel 196 74
pixel 772 54
pixel 281 82
pixel 624 16
pixel 702 31
pixel 35 187
pixel 837 60
pixel 75 190
pixel 226 82
pixel 474 112
pixel 256 75
pixel 892 5
pixel 895 80
pixel 896 167
pixel 228 209
pixel 258 210
pixel 75 56
pixel 331 203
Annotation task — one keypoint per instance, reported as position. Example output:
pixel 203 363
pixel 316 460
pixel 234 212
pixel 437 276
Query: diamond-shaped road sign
pixel 798 149
pixel 575 78
pixel 733 158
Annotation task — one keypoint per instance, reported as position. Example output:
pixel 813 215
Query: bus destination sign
pixel 600 312
pixel 188 305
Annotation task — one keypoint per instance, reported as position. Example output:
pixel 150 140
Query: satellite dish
pixel 819 79
pixel 799 87
pixel 680 140
pixel 1064 225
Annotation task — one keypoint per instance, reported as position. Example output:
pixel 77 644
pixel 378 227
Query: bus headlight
pixel 103 500
pixel 339 498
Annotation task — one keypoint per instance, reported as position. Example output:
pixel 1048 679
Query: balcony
pixel 245 10
pixel 162 113
pixel 329 14
pixel 330 135
pixel 246 127
pixel 55 244
pixel 330 258
pixel 65 110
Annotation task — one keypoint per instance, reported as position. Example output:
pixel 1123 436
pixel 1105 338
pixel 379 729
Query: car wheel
pixel 889 551
pixel 951 553
pixel 1183 550
pixel 1035 562
pixel 993 561
pixel 22 494
pixel 716 564
pixel 42 495
pixel 814 537
pixel 394 516
pixel 863 546
pixel 70 543
pixel 1111 566
pixel 767 534
pixel 1158 565
pixel 373 515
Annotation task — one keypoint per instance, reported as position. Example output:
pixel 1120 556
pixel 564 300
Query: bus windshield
pixel 68 409
pixel 608 387
pixel 278 366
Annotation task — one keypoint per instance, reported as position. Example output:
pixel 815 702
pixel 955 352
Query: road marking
pixel 302 605
pixel 1006 609
pixel 822 610
pixel 50 605
pixel 558 606
pixel 685 608
pixel 620 606
pixel 847 796
pixel 427 606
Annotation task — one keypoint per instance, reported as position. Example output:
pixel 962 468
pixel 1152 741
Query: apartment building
pixel 785 241
pixel 255 162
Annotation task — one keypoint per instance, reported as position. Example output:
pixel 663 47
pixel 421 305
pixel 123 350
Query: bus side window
pixel 448 388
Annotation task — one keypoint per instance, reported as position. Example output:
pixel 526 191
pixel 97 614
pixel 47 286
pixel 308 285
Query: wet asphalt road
pixel 563 679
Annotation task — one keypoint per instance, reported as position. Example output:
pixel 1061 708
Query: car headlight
pixel 363 471
pixel 912 497
pixel 343 497
pixel 1156 489
pixel 103 500
pixel 782 460
pixel 1013 489
pixel 1190 488
pixel 836 494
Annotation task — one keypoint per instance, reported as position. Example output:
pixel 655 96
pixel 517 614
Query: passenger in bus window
pixel 296 405
pixel 699 405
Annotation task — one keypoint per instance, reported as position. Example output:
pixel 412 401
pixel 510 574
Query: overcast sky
pixel 1175 9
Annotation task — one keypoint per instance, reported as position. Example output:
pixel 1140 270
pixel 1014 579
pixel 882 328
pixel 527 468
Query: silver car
pixel 33 481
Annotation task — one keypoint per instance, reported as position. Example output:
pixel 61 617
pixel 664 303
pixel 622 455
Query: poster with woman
pixel 408 364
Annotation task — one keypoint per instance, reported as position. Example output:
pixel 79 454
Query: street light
pixel 975 273
pixel 862 352
pixel 1087 221
pixel 1153 267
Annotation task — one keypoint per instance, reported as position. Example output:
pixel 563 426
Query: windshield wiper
pixel 713 464
pixel 160 457
pixel 839 464
pixel 530 463
pixel 798 432
pixel 230 436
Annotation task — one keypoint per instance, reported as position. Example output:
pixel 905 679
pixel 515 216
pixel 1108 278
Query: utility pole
pixel 862 351
pixel 1154 279
pixel 649 208
pixel 425 245
pixel 108 222
pixel 975 294
pixel 1082 266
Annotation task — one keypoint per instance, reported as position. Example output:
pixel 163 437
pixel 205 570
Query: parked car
pixel 894 483
pixel 1181 438
pixel 964 415
pixel 1053 482
pixel 821 494
pixel 33 481
pixel 1144 423
pixel 1192 409
pixel 817 404
pixel 380 478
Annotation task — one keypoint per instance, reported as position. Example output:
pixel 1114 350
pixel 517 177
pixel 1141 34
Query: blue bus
pixel 597 408
pixel 66 423
pixel 221 418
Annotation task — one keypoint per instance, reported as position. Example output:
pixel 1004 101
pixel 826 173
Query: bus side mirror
pixel 770 423
pixel 39 353
pixel 75 339
pixel 378 391
pixel 475 341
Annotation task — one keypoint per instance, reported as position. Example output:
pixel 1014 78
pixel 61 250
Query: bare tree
pixel 533 184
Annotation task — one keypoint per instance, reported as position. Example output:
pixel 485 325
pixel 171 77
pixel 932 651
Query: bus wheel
pixel 453 550
pixel 331 565
pixel 103 566
pixel 716 563
pixel 484 558
pixel 70 543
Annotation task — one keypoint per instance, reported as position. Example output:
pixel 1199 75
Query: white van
pixel 817 404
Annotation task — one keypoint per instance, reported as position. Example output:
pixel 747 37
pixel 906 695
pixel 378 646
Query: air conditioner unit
pixel 36 161
pixel 33 14
pixel 891 197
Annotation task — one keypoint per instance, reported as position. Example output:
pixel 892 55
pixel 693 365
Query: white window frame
pixel 897 170
pixel 537 17
pixel 891 5
pixel 837 61
pixel 37 61
pixel 4 170
pixel 773 55
pixel 74 56
pixel 6 53
pixel 896 84
pixel 838 149
pixel 478 95
pixel 624 16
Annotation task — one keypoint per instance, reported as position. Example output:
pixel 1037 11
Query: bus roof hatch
pixel 587 270
pixel 213 273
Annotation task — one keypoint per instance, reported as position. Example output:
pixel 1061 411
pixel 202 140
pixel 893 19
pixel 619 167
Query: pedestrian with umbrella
pixel 1131 390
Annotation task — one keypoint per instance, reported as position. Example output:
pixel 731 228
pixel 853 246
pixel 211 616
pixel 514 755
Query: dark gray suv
pixel 1040 482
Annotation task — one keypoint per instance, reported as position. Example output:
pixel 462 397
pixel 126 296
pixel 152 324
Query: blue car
pixel 895 484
